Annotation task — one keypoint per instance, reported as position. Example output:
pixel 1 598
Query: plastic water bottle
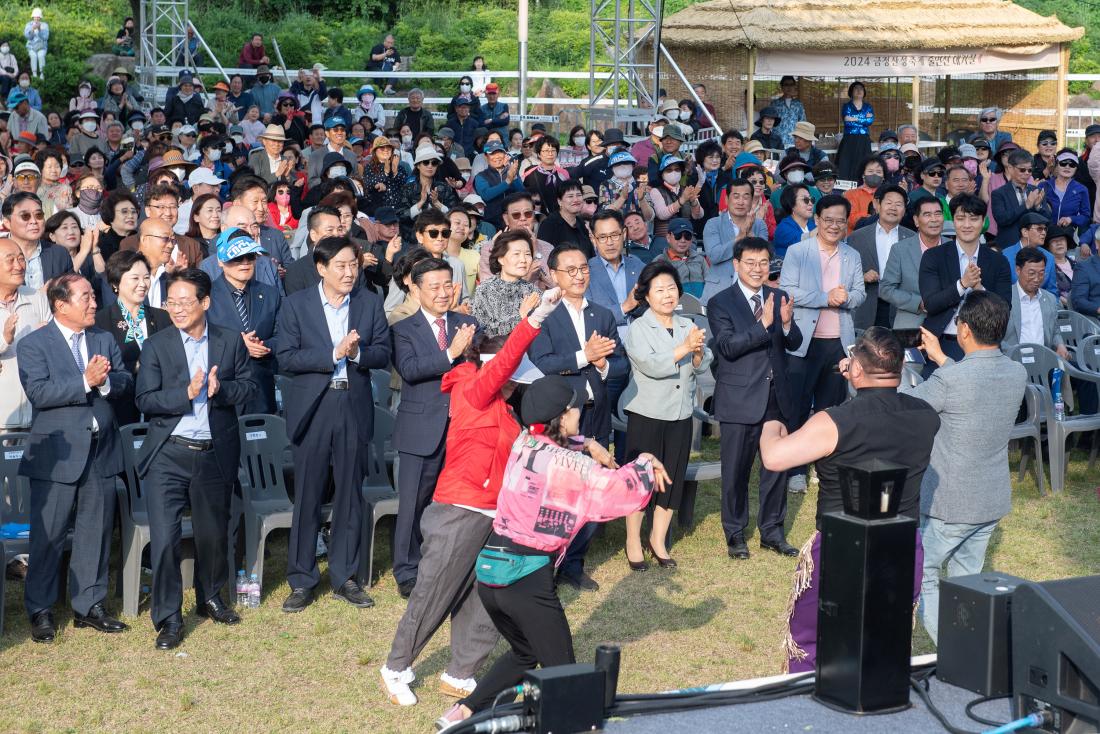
pixel 1056 390
pixel 242 590
pixel 253 592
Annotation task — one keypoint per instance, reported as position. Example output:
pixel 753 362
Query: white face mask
pixel 89 126
pixel 685 115
pixel 178 172
pixel 337 172
pixel 24 83
pixel 659 132
pixel 84 91
pixel 138 126
pixel 796 177
pixel 464 87
pixel 228 148
pixel 578 140
pixel 623 171
pixel 5 49
pixel 406 139
pixel 671 177
pixel 214 154
pixel 368 100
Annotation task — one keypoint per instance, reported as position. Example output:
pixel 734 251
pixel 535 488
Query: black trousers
pixel 332 441
pixel 182 477
pixel 88 508
pixel 816 381
pixel 529 616
pixel 416 478
pixel 740 444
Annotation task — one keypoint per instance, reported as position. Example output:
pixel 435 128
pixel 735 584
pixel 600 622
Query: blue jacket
pixel 61 431
pixel 719 235
pixel 1050 282
pixel 464 133
pixel 787 232
pixel 492 188
pixel 1075 204
pixel 496 117
pixel 601 291
pixel 1085 293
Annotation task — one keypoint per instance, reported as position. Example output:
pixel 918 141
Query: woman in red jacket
pixel 456 525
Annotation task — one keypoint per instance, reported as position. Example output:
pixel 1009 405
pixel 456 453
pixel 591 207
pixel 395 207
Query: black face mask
pixel 264 78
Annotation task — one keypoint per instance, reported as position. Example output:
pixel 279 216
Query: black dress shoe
pixel 781 546
pixel 298 600
pixel 405 588
pixel 738 549
pixel 353 594
pixel 98 619
pixel 662 562
pixel 42 627
pixel 216 610
pixel 584 582
pixel 637 565
pixel 170 637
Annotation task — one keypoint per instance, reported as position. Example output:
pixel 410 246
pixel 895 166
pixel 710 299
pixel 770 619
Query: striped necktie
pixel 242 307
pixel 75 341
pixel 757 307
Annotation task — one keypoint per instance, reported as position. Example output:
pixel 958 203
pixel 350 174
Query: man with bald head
pixel 159 244
pixel 241 217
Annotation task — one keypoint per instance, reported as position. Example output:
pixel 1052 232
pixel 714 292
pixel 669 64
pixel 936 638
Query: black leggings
pixel 529 616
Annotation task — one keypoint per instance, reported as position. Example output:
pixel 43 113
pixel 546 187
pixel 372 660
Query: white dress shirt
pixel 577 317
pixel 435 327
pixel 952 327
pixel 336 318
pixel 1031 318
pixel 884 242
pixel 155 296
pixel 105 388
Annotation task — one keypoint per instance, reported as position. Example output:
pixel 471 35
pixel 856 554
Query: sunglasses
pixel 429 162
pixel 523 215
pixel 938 173
pixel 37 216
pixel 989 119
pixel 250 257
pixel 682 236
pixel 1068 164
pixel 435 234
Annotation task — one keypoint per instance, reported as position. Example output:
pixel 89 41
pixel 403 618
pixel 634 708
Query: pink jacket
pixel 550 492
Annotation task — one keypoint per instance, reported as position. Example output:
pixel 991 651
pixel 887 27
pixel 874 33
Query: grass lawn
pixel 711 620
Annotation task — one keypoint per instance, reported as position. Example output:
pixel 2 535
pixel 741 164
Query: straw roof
pixel 863 24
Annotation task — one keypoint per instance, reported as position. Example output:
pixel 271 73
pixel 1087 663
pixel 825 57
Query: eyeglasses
pixel 163 238
pixel 1048 142
pixel 574 271
pixel 24 177
pixel 525 214
pixel 36 215
pixel 1068 164
pixel 184 304
pixel 164 207
pixel 833 222
pixel 989 119
pixel 609 237
pixel 755 264
pixel 435 234
pixel 1023 169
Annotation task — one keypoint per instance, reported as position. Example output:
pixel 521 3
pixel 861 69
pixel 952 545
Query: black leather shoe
pixel 42 627
pixel 782 547
pixel 738 549
pixel 298 600
pixel 170 637
pixel 216 610
pixel 405 588
pixel 98 619
pixel 353 594
pixel 584 582
pixel 662 562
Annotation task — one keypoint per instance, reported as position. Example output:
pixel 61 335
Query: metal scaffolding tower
pixel 628 33
pixel 163 32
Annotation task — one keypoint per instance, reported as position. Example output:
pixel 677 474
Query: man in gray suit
pixel 900 282
pixel 70 370
pixel 1034 310
pixel 874 243
pixel 825 278
pixel 967 490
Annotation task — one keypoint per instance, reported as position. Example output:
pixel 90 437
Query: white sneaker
pixel 797 484
pixel 397 686
pixel 456 687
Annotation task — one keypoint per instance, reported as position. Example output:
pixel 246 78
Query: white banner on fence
pixel 858 64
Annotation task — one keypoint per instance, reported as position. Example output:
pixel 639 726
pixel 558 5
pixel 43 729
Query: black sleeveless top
pixel 879 423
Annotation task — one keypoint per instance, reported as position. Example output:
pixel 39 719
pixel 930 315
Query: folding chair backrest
pixel 1038 361
pixel 15 490
pixel 690 305
pixel 263 445
pixel 1074 327
pixel 1088 353
pixel 133 436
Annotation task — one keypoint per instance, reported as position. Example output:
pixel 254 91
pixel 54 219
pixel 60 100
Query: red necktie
pixel 441 334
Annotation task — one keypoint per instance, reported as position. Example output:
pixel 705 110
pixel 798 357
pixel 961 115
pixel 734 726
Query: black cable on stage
pixel 978 702
pixel 919 685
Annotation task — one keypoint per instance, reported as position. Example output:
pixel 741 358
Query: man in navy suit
pixel 425 347
pixel 193 380
pixel 330 338
pixel 580 341
pixel 752 327
pixel 25 222
pixel 71 372
pixel 950 271
pixel 1017 197
pixel 243 304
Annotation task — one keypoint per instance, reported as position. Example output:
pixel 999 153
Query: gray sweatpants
pixel 453 536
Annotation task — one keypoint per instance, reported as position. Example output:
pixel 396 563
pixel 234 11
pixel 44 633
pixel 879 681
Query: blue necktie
pixel 75 340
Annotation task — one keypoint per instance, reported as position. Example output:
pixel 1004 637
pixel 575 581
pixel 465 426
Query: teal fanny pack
pixel 499 567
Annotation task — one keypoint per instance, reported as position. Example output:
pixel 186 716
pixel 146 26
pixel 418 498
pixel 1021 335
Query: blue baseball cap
pixel 622 156
pixel 366 89
pixel 670 160
pixel 233 243
pixel 679 225
pixel 15 98
pixel 494 146
pixel 337 120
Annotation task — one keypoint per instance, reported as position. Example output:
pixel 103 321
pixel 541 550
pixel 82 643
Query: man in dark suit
pixel 324 221
pixel 752 327
pixel 580 342
pixel 193 380
pixel 425 347
pixel 950 271
pixel 1011 201
pixel 242 304
pixel 71 373
pixel 330 337
pixel 24 221
pixel 874 243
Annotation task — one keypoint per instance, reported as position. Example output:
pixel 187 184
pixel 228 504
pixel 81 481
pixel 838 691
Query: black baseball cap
pixel 546 398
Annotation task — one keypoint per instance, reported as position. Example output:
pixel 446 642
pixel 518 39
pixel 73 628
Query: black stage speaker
pixel 565 699
pixel 1056 652
pixel 975 638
